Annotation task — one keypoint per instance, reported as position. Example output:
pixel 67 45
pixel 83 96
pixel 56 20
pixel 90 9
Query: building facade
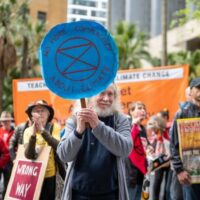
pixel 145 14
pixel 96 10
pixel 117 12
pixel 50 11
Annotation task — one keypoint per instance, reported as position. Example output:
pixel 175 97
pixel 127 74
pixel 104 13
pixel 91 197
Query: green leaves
pixel 187 57
pixel 131 45
pixel 191 11
pixel 17 34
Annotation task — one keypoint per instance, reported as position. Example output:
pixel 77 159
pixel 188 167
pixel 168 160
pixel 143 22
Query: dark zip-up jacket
pixel 16 139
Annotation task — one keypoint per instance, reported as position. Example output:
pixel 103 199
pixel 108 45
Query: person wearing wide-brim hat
pixel 6 129
pixel 6 132
pixel 40 103
pixel 43 133
pixel 6 116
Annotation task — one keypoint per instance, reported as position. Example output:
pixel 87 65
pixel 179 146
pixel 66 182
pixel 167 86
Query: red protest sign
pixel 25 180
pixel 27 175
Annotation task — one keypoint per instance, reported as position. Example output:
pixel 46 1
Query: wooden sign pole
pixel 83 105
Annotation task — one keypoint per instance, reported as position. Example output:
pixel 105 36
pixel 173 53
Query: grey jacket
pixel 117 141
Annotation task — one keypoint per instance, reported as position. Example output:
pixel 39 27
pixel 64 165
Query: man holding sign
pixel 80 60
pixel 185 144
pixel 96 152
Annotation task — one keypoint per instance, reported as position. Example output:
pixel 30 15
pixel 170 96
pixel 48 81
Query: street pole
pixel 164 31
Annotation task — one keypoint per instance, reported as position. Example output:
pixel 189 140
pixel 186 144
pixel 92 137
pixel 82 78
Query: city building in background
pixel 117 12
pixel 179 39
pixel 96 10
pixel 145 14
pixel 50 12
pixel 156 13
pixel 139 13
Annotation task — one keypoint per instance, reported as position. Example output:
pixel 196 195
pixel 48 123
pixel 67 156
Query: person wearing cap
pixel 192 110
pixel 95 153
pixel 6 132
pixel 42 133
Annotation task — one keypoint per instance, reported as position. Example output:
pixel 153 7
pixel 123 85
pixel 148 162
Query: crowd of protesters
pixel 102 153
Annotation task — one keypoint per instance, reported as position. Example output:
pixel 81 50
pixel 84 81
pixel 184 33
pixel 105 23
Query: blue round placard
pixel 78 59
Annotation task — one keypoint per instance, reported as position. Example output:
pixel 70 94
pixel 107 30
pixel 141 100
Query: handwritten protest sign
pixel 78 59
pixel 27 176
pixel 189 137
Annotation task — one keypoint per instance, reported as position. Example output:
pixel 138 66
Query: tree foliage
pixel 7 47
pixel 28 40
pixel 191 11
pixel 131 46
pixel 187 57
pixel 19 41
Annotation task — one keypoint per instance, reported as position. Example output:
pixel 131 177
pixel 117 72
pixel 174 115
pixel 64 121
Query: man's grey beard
pixel 105 112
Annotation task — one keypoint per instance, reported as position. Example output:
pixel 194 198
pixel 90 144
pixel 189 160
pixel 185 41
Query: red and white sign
pixel 27 175
pixel 25 180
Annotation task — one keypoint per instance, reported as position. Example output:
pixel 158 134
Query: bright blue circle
pixel 78 59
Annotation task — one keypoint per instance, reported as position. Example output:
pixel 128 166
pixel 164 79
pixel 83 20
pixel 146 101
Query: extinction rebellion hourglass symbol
pixel 74 61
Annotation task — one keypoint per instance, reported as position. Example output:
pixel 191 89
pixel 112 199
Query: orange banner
pixel 158 88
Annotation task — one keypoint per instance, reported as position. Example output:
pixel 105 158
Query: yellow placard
pixel 189 146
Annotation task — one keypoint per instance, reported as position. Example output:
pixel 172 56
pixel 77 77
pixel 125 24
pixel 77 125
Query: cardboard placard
pixel 78 59
pixel 27 175
pixel 189 146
